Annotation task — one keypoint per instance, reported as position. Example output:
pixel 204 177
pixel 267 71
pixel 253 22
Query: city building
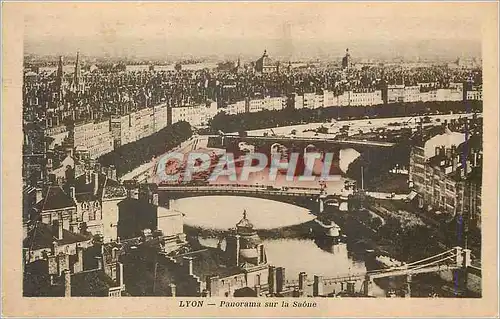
pixel 194 115
pixel 47 241
pixel 476 93
pixel 240 269
pixel 121 130
pixel 309 100
pixel 144 213
pixel 96 137
pixel 411 94
pixel 365 98
pixel 142 123
pixel 448 179
pixel 246 255
pixel 395 93
pixel 55 205
pixel 329 99
pixel 56 135
pixel 90 270
pixel 265 65
pixel 236 108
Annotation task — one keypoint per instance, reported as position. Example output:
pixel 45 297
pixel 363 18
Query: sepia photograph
pixel 205 151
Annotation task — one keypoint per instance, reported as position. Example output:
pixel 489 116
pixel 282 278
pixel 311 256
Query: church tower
pixel 77 85
pixel 60 80
pixel 346 60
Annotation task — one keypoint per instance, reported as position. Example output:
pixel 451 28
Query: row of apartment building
pixel 394 94
pixel 102 137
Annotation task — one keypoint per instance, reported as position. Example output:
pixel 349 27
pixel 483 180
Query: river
pixel 295 254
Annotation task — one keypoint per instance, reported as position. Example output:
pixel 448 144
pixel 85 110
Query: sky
pixel 200 29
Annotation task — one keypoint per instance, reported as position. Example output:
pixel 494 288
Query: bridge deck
pixel 410 271
pixel 314 139
pixel 214 189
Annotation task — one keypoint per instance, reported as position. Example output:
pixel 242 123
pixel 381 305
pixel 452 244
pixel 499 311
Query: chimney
pixel 257 290
pixel 60 229
pixel 189 263
pixel 95 179
pixel 172 290
pixel 72 193
pixel 453 150
pixel 114 253
pixel 437 151
pixel 57 229
pixel 67 283
pixel 442 151
pixel 120 275
pixel 78 266
pixel 25 229
pixel 54 248
pixel 154 201
pixel 99 262
pixel 454 163
pixel 113 172
pixel 449 153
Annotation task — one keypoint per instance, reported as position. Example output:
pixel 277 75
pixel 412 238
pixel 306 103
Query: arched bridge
pixel 302 196
pixel 300 143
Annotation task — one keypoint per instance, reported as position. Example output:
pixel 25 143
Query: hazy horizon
pixel 286 30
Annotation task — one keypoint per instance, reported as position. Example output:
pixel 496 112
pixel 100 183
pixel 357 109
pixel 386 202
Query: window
pixel 92 215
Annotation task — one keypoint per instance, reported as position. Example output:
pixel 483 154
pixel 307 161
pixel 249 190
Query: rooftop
pixel 207 262
pixel 42 237
pixel 85 191
pixel 55 198
pixel 113 189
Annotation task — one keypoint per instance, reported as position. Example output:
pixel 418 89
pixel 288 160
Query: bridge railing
pixel 267 187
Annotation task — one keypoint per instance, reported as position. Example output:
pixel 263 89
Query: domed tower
pixel 245 248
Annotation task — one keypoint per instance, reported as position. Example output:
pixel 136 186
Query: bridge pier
pixel 302 283
pixel 318 286
pixel 367 286
pixel 463 257
pixel 408 286
pixel 351 287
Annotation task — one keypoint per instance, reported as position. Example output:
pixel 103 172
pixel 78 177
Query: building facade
pixel 449 181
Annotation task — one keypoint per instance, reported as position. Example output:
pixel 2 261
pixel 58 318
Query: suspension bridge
pixel 452 259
